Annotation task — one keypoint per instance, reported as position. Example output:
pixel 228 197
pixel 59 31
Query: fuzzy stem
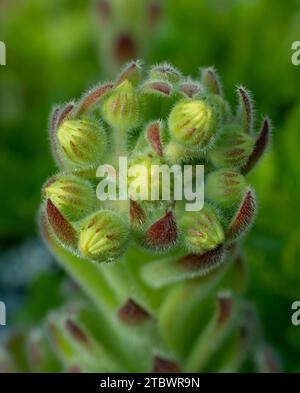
pixel 95 285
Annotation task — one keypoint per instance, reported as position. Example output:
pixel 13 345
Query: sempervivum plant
pixel 166 282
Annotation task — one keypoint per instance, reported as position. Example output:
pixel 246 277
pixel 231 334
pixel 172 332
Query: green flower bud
pixel 103 236
pixel 165 72
pixel 201 231
pixel 175 152
pixel 225 187
pixel 232 149
pixel 121 108
pixel 73 196
pixel 83 142
pixel 221 106
pixel 190 88
pixel 193 123
pixel 141 181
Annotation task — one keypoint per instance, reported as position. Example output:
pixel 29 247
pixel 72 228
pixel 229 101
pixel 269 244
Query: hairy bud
pixel 201 231
pixel 121 108
pixel 103 236
pixel 225 187
pixel 193 123
pixel 73 196
pixel 211 81
pixel 165 72
pixel 141 178
pixel 232 149
pixel 221 106
pixel 83 142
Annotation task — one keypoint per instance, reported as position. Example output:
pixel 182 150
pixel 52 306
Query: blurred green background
pixel 58 48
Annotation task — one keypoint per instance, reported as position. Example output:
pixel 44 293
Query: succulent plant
pixel 166 283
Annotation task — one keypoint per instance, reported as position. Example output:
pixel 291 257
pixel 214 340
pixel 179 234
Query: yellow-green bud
pixel 103 236
pixel 193 123
pixel 201 231
pixel 73 196
pixel 232 149
pixel 121 108
pixel 225 187
pixel 175 152
pixel 141 177
pixel 83 142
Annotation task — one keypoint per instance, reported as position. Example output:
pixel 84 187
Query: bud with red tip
pixel 73 196
pixel 121 108
pixel 103 236
pixel 82 142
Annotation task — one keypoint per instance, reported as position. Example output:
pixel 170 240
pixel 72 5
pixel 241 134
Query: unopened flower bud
pixel 175 152
pixel 153 226
pixel 210 80
pixel 232 149
pixel 193 123
pixel 201 231
pixel 225 187
pixel 73 196
pixel 83 141
pixel 165 72
pixel 103 236
pixel 121 108
pixel 190 88
pixel 131 73
pixel 144 182
pixel 221 106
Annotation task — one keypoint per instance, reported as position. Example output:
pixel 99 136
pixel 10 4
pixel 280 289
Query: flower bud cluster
pixel 157 118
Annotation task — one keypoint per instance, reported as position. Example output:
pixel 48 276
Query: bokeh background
pixel 58 48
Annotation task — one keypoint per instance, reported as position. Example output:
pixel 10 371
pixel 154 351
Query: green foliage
pixel 49 57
